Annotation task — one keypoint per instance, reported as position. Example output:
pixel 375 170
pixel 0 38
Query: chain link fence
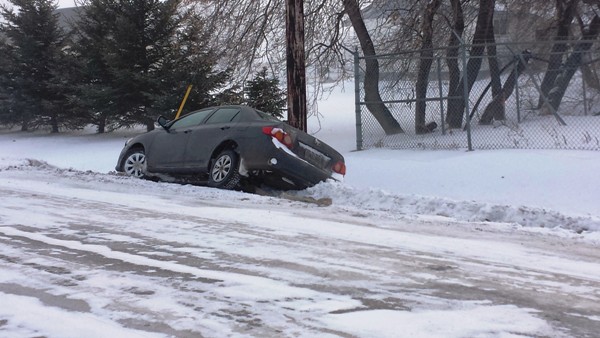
pixel 512 102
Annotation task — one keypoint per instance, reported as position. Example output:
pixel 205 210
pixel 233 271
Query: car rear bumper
pixel 295 170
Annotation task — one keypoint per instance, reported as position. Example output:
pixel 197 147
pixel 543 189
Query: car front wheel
pixel 224 172
pixel 135 163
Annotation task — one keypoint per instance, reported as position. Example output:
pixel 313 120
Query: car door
pixel 167 153
pixel 210 134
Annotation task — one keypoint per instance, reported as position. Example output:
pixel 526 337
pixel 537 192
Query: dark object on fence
pixel 427 128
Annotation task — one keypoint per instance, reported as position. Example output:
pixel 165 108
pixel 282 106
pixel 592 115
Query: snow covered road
pixel 98 255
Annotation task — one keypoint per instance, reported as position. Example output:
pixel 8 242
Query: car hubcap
pixel 135 165
pixel 221 168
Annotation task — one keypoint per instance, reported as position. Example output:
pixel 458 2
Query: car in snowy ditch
pixel 231 147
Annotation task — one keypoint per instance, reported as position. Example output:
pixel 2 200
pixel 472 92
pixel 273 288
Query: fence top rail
pixel 470 46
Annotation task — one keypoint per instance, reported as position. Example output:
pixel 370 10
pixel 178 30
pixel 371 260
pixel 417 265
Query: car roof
pixel 250 113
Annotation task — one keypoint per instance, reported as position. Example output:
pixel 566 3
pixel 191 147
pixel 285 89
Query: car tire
pixel 224 173
pixel 134 163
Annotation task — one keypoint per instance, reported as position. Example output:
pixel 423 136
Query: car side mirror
pixel 163 122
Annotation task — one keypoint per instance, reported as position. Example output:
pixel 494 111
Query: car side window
pixel 192 119
pixel 224 115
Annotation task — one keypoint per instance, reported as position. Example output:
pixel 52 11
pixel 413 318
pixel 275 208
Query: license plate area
pixel 314 157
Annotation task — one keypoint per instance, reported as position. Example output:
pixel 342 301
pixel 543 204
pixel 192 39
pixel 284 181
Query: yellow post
pixel 187 93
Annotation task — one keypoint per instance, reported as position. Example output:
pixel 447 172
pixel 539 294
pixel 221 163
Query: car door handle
pixel 187 131
pixel 225 127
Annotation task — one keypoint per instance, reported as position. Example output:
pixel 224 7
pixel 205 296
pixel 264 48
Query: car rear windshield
pixel 224 115
pixel 266 116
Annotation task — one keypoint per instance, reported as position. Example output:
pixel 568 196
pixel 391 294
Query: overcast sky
pixel 66 3
pixel 61 3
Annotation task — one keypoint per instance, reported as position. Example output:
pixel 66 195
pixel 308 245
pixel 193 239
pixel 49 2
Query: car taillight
pixel 340 168
pixel 280 135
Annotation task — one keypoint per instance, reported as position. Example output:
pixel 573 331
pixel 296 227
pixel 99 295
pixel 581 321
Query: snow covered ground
pixel 500 243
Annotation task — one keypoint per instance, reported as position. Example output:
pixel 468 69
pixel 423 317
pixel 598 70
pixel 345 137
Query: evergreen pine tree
pixel 8 109
pixel 140 56
pixel 95 84
pixel 230 96
pixel 263 93
pixel 35 92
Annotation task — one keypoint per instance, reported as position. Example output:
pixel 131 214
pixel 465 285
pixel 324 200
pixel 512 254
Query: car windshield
pixel 192 119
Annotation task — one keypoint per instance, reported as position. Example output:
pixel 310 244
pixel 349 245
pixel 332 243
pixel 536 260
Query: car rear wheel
pixel 224 172
pixel 135 163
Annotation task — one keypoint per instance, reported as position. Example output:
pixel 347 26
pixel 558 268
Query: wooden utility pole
pixel 296 70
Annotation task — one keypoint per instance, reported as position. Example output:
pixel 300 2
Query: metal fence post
pixel 357 108
pixel 439 76
pixel 466 93
pixel 584 88
pixel 516 70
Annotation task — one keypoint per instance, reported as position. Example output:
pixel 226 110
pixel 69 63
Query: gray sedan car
pixel 228 146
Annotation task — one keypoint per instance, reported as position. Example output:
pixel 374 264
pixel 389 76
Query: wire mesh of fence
pixel 535 95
